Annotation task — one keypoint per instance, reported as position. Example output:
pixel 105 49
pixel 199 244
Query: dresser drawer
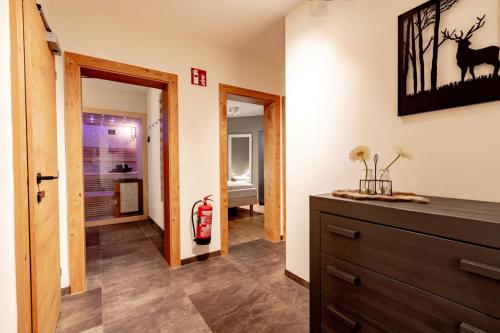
pixel 464 273
pixel 336 318
pixel 397 305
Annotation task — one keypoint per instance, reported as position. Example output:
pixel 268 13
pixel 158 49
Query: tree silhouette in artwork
pixel 421 32
pixel 429 16
pixel 467 58
pixel 439 8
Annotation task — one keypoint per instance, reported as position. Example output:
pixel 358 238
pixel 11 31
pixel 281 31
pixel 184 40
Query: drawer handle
pixel 491 272
pixel 353 325
pixel 344 276
pixel 466 328
pixel 343 231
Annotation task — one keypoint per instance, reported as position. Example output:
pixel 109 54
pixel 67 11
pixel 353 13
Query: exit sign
pixel 198 77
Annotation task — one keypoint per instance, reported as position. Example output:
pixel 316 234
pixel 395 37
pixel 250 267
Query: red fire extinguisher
pixel 203 230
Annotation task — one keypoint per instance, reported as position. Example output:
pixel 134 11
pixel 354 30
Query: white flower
pixel 360 153
pixel 403 153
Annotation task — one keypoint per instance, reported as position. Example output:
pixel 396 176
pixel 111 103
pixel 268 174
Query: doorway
pixel 115 161
pixel 80 66
pixel 245 127
pixel 272 160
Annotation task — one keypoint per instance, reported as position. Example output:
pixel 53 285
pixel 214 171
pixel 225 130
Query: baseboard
pixel 156 225
pixel 297 279
pixel 201 257
pixel 116 220
pixel 65 291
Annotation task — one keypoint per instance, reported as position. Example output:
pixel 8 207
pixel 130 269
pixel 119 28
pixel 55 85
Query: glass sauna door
pixel 112 166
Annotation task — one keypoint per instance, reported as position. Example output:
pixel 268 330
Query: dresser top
pixel 467 220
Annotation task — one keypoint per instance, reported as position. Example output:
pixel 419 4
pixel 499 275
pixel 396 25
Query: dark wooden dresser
pixel 404 267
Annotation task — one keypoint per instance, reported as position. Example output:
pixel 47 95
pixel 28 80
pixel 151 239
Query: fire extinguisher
pixel 203 231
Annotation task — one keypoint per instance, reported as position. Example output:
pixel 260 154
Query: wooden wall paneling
pixel 75 66
pixel 21 205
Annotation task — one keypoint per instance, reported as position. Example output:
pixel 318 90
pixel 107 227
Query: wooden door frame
pixel 272 159
pixel 283 166
pixel 77 65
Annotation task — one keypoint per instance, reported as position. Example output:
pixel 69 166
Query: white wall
pixel 110 36
pixel 341 88
pixel 8 305
pixel 154 157
pixel 112 96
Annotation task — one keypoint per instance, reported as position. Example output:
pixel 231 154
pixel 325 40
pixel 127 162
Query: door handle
pixel 479 268
pixel 344 276
pixel 344 232
pixel 351 323
pixel 40 178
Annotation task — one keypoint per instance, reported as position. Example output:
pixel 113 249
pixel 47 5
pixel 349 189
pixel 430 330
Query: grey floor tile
pixel 80 312
pixel 131 247
pixel 213 273
pixel 92 236
pixel 237 307
pixel 93 267
pixel 160 314
pixel 134 290
pixel 121 233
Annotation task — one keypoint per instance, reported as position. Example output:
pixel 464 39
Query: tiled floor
pixel 131 289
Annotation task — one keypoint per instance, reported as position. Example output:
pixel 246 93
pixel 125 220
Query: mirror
pixel 240 157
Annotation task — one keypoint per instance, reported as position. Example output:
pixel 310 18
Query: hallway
pixel 130 289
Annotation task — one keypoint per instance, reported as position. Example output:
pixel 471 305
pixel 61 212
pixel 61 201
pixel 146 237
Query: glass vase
pixel 384 182
pixel 367 182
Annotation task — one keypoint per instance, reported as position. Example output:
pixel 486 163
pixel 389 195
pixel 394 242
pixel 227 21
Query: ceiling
pixel 245 109
pixel 239 24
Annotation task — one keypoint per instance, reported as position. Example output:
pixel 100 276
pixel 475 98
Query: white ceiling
pixel 248 25
pixel 245 109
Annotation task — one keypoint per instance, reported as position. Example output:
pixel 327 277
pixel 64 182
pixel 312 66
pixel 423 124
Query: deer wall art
pixel 421 32
pixel 467 58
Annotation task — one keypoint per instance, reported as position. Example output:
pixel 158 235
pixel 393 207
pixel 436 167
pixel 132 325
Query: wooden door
pixel 42 159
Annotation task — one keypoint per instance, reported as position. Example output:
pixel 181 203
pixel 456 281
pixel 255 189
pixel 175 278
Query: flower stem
pixel 366 170
pixel 394 161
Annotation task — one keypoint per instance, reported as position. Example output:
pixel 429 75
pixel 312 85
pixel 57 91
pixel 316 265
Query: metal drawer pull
pixel 491 272
pixel 466 328
pixel 343 231
pixel 344 276
pixel 353 325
